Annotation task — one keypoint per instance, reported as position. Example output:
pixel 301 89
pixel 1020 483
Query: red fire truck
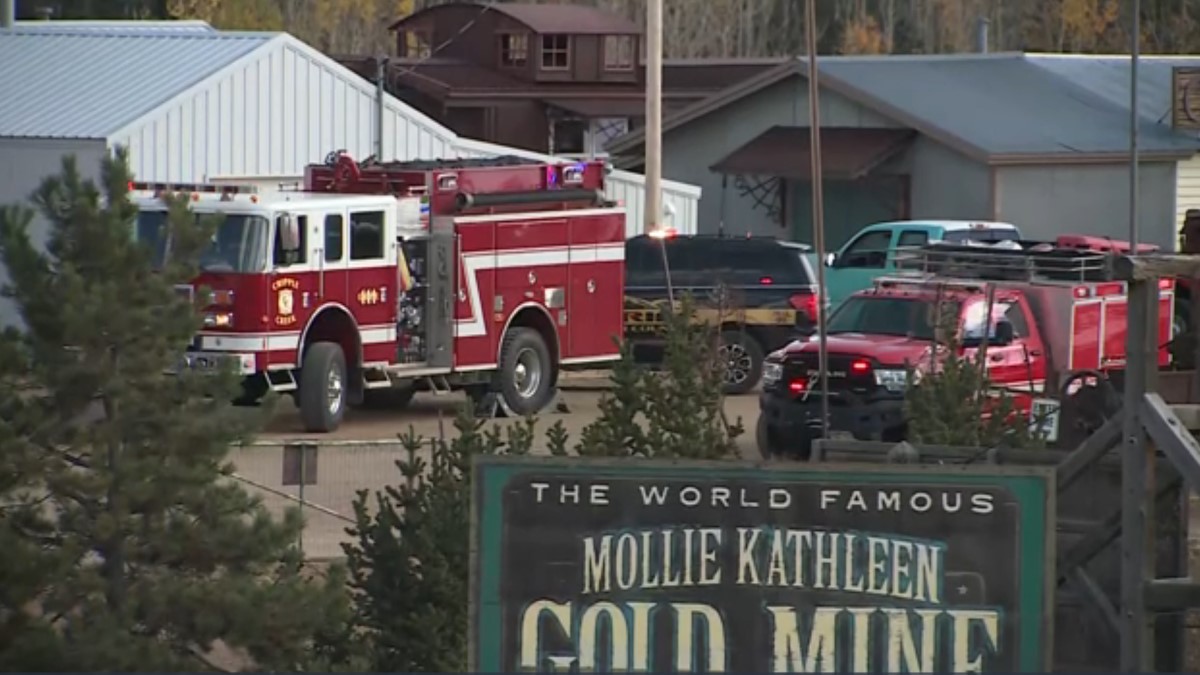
pixel 486 275
pixel 1055 341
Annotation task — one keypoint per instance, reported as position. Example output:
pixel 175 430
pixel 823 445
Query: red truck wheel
pixel 323 382
pixel 526 372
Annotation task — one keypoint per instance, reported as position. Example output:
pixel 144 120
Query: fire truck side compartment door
pixel 439 313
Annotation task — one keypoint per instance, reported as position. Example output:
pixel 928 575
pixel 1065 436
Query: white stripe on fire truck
pixel 537 215
pixel 270 342
pixel 474 263
pixel 1019 387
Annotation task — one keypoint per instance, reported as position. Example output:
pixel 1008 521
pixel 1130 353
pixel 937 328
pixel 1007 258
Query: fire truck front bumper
pixel 209 361
pixel 792 422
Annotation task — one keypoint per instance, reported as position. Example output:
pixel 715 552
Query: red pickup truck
pixel 1057 327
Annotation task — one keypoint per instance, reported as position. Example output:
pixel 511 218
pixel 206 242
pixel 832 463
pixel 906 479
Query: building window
pixel 514 49
pixel 556 52
pixel 569 137
pixel 618 52
pixel 417 44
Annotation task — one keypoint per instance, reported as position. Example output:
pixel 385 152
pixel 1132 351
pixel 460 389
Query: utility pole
pixel 818 206
pixel 1138 456
pixel 1134 53
pixel 654 56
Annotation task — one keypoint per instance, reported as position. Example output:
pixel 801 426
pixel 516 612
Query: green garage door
pixel 849 206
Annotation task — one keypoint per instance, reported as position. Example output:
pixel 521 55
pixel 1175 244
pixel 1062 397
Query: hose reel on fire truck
pixel 346 171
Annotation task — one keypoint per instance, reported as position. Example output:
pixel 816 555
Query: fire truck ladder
pixel 1032 262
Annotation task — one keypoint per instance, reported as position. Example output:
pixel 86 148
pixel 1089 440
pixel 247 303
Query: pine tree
pixel 954 401
pixel 676 412
pixel 410 561
pixel 156 554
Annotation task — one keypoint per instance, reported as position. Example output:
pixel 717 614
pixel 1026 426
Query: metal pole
pixel 818 206
pixel 654 56
pixel 1137 479
pixel 381 72
pixel 1137 457
pixel 303 480
pixel 8 13
pixel 981 35
pixel 1135 48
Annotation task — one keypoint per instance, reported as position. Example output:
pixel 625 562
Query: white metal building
pixel 193 104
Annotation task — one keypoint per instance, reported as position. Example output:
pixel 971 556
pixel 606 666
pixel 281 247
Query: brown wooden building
pixel 557 78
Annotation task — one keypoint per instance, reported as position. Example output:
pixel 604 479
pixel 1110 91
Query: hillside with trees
pixel 728 28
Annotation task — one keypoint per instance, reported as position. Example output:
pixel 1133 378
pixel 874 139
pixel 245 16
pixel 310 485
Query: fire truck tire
pixel 526 378
pixel 742 357
pixel 322 395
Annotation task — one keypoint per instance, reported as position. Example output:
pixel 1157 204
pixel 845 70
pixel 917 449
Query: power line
pixel 412 67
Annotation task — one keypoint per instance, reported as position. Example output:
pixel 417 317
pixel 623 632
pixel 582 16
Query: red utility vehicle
pixel 488 275
pixel 1055 337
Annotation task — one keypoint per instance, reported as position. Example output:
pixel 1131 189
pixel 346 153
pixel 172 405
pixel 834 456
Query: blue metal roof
pixel 118 26
pixel 1108 77
pixel 88 83
pixel 1013 104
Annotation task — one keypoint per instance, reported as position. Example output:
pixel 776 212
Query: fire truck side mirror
pixel 289 233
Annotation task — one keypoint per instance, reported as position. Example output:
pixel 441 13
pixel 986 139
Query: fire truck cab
pixel 483 275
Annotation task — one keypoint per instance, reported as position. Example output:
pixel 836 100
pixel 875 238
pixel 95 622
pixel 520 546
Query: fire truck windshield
pixel 239 243
pixel 906 317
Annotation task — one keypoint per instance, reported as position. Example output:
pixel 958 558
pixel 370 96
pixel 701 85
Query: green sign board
pixel 647 566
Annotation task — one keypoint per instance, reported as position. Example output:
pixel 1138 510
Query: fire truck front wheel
pixel 526 378
pixel 322 395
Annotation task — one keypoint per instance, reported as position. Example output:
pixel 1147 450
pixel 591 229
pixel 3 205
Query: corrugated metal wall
pixel 288 105
pixel 624 187
pixel 271 114
pixel 24 163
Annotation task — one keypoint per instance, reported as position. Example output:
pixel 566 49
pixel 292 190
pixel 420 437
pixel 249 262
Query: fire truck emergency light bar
pixel 1032 261
pixel 194 188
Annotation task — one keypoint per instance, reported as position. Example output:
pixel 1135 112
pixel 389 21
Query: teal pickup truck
pixel 871 252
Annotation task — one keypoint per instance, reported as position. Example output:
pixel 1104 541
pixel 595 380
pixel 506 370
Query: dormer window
pixel 618 52
pixel 417 43
pixel 514 49
pixel 556 52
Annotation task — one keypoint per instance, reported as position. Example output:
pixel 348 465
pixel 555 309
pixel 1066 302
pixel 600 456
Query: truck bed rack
pixel 1033 261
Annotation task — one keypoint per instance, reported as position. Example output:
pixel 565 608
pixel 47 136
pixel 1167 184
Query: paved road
pixel 362 454
pixel 424 412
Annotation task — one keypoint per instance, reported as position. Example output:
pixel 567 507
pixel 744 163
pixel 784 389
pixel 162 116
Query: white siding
pixel 1187 190
pixel 286 105
pixel 24 162
pixel 270 114
pixel 624 187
